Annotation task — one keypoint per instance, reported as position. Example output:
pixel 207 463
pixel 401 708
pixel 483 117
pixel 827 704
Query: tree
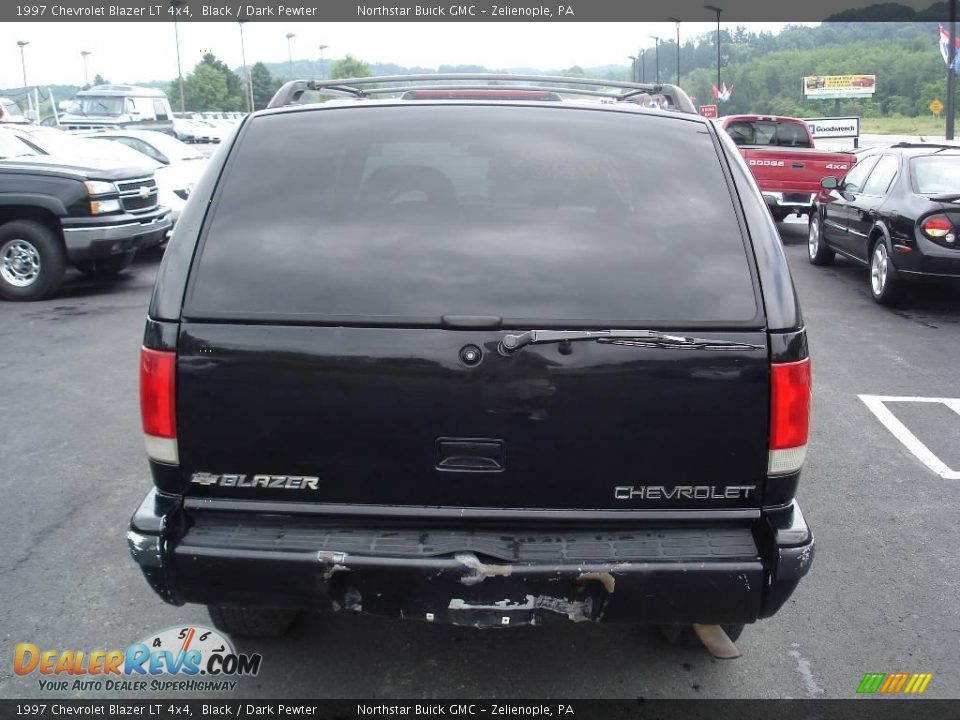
pixel 264 85
pixel 98 79
pixel 349 67
pixel 205 89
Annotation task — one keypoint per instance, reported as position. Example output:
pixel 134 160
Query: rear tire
pixel 32 260
pixel 817 250
pixel 251 621
pixel 106 268
pixel 685 636
pixel 885 285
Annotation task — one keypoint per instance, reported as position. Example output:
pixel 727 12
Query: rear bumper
pixel 787 202
pixel 668 573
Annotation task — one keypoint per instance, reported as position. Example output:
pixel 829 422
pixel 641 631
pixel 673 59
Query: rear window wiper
pixel 634 338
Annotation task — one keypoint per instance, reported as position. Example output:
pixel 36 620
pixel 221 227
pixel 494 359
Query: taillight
pixel 158 407
pixel 937 227
pixel 790 391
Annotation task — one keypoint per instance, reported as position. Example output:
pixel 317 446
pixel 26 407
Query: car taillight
pixel 158 407
pixel 790 391
pixel 936 226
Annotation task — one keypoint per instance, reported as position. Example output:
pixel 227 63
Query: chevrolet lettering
pixel 480 324
pixel 688 492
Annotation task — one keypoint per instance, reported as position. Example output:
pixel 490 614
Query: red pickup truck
pixel 783 160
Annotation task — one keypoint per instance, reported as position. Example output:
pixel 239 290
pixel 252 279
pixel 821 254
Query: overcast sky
pixel 130 52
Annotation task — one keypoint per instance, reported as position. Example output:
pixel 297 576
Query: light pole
pixel 717 10
pixel 323 68
pixel 84 54
pixel 290 36
pixel 643 66
pixel 677 22
pixel 246 71
pixel 176 5
pixel 657 41
pixel 633 68
pixel 23 62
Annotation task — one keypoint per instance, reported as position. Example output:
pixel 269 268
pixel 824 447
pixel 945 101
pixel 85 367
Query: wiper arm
pixel 634 338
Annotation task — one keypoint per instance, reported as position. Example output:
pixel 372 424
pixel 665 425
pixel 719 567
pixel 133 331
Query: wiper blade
pixel 634 338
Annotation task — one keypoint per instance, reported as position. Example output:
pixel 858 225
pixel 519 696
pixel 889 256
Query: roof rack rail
pixel 291 93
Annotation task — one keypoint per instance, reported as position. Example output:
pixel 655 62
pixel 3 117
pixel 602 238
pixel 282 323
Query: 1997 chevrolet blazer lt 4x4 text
pixel 477 361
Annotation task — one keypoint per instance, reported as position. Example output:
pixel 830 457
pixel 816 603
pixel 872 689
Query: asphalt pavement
pixel 881 597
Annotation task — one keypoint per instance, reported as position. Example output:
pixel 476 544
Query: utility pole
pixel 290 36
pixel 717 10
pixel 656 41
pixel 323 67
pixel 677 22
pixel 23 62
pixel 176 5
pixel 84 54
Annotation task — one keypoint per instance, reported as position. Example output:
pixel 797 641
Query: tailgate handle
pixel 799 165
pixel 470 455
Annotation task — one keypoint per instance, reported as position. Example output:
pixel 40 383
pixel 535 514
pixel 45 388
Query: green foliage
pixel 211 86
pixel 265 85
pixel 349 67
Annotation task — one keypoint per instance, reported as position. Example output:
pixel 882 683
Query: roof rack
pixel 944 144
pixel 290 93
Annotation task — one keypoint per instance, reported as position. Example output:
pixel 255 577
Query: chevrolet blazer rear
pixel 475 362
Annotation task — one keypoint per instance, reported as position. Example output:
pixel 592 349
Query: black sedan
pixel 897 211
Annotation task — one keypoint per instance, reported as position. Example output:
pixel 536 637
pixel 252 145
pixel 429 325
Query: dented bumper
pixel 713 572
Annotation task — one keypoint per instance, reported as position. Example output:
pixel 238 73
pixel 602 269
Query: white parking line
pixel 876 403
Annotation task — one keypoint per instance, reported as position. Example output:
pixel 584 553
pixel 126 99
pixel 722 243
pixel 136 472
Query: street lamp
pixel 176 5
pixel 323 68
pixel 717 10
pixel 290 36
pixel 633 68
pixel 677 21
pixel 84 54
pixel 23 62
pixel 643 66
pixel 246 71
pixel 657 41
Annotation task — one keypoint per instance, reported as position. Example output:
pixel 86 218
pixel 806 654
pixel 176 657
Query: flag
pixel 722 94
pixel 945 48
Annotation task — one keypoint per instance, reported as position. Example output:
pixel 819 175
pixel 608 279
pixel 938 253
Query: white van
pixel 118 106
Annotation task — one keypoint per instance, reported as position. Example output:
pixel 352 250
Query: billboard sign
pixel 825 87
pixel 833 127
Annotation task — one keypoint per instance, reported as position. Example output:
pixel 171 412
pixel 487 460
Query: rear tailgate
pixel 342 318
pixel 794 170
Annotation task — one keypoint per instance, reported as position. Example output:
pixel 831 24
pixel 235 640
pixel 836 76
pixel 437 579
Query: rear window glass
pixel 936 175
pixel 415 212
pixel 767 132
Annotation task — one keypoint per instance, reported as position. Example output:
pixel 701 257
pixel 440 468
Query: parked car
pixel 115 106
pixel 10 112
pixel 896 211
pixel 455 360
pixel 173 183
pixel 56 211
pixel 182 164
pixel 781 155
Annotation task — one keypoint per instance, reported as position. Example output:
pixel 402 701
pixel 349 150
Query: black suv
pixel 476 361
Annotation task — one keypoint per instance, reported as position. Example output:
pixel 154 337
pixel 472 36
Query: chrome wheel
pixel 19 263
pixel 879 267
pixel 813 240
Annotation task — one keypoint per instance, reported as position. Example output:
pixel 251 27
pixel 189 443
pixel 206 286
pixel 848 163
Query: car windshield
pixel 936 174
pixel 768 132
pixel 421 211
pixel 97 106
pixel 11 109
pixel 11 146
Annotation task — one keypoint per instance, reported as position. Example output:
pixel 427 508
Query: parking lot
pixel 882 596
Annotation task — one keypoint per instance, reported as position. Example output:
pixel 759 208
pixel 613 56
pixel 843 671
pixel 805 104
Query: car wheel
pixel 251 621
pixel 106 268
pixel 686 636
pixel 817 249
pixel 32 260
pixel 885 286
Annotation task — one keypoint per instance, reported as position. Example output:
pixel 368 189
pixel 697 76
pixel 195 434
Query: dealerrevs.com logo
pixel 189 659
